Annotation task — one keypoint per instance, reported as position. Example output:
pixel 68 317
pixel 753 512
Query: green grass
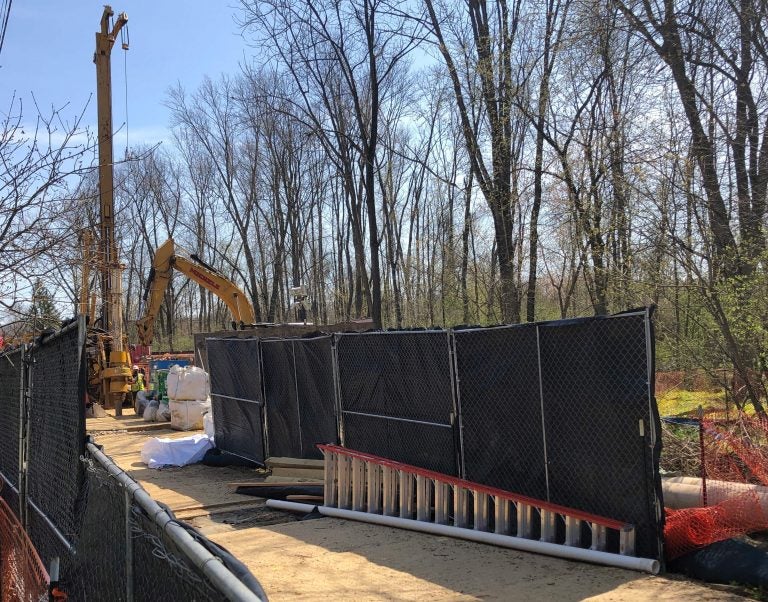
pixel 678 402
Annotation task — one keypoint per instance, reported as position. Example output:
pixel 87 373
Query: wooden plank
pixel 277 484
pixel 283 479
pixel 304 498
pixel 298 472
pixel 277 462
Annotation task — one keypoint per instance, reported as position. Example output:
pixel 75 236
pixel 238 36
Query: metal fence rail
pixel 80 511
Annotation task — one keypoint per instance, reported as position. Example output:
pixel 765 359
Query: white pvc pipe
pixel 686 492
pixel 646 565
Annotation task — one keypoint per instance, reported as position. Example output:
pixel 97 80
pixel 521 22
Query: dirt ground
pixel 331 559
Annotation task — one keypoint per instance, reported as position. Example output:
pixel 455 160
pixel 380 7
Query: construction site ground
pixel 331 559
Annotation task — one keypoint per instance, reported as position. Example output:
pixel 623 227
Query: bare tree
pixel 40 157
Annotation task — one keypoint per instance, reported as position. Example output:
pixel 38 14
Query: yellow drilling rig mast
pixel 115 368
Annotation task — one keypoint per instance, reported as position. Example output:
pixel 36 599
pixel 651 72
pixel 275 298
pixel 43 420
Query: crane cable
pixel 125 40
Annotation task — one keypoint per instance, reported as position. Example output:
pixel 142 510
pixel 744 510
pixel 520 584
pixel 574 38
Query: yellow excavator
pixel 195 269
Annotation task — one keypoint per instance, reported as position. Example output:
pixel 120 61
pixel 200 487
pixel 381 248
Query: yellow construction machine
pixel 166 260
pixel 109 366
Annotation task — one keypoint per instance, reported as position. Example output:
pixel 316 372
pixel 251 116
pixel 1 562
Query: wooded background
pixel 442 162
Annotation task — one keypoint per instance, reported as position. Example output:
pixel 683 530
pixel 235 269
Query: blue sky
pixel 49 45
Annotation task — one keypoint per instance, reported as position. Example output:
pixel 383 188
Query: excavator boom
pixel 165 261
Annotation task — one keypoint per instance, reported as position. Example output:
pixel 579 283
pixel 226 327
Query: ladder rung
pixel 330 491
pixel 374 488
pixel 460 507
pixel 442 503
pixel 389 491
pixel 502 515
pixel 358 484
pixel 481 511
pixel 524 522
pixel 627 541
pixel 345 485
pixel 423 498
pixel 572 531
pixel 598 537
pixel 406 494
pixel 548 519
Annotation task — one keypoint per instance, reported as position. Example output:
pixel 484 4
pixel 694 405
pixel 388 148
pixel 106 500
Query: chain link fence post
pixel 129 586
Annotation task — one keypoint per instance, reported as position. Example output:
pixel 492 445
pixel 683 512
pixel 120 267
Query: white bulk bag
pixel 187 384
pixel 208 425
pixel 188 415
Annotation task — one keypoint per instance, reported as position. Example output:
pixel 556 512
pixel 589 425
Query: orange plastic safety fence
pixel 692 528
pixel 735 454
pixel 737 451
pixel 23 577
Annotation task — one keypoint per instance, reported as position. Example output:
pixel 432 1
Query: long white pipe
pixel 506 541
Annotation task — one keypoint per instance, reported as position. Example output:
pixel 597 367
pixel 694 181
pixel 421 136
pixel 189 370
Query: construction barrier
pixel 299 396
pixel 396 397
pixel 64 504
pixel 236 397
pixel 720 487
pixel 559 411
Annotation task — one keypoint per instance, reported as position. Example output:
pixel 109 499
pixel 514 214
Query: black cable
pixel 5 23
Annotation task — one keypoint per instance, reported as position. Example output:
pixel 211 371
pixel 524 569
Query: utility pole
pixel 116 376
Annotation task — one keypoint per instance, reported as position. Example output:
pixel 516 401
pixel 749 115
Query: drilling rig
pixel 109 360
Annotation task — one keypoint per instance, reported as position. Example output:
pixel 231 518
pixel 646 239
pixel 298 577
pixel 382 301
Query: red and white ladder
pixel 361 486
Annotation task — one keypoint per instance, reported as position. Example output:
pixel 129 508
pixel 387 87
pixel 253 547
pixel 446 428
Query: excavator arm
pixel 167 260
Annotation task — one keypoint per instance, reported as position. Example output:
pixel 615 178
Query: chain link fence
pixel 69 505
pixel 500 396
pixel 559 411
pixel 11 370
pixel 56 428
pixel 236 397
pixel 299 396
pixel 397 398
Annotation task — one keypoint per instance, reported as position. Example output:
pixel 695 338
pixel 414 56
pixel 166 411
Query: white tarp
pixel 159 452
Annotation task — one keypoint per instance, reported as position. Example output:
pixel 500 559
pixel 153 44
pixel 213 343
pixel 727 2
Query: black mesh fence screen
pixel 281 402
pixel 11 365
pixel 499 394
pixel 299 396
pixel 56 431
pixel 564 412
pixel 94 568
pixel 161 569
pixel 599 422
pixel 236 399
pixel 78 508
pixel 397 397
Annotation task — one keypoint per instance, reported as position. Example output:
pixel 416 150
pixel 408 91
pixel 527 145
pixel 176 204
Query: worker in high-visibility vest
pixel 137 384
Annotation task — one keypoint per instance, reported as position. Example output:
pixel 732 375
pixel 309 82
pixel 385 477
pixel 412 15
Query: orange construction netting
pixel 23 577
pixel 734 495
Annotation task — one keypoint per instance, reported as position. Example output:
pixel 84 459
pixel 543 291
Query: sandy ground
pixel 331 559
